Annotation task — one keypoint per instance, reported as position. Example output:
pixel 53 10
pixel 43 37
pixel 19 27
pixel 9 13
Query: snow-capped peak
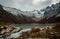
pixel 35 13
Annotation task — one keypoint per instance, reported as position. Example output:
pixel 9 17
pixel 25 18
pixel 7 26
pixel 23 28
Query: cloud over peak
pixel 28 4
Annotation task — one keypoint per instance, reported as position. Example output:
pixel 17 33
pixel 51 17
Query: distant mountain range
pixel 13 15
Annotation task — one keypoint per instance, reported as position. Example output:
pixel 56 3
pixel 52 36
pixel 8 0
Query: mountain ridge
pixel 52 14
pixel 12 15
pixel 12 18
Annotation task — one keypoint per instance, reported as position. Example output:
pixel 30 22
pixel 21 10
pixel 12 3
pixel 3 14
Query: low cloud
pixel 28 4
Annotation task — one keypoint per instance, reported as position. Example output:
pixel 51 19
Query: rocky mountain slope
pixel 6 16
pixel 13 15
pixel 52 14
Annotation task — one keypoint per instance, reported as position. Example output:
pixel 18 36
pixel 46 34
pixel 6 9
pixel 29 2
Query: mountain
pixel 15 11
pixel 6 16
pixel 52 14
pixel 13 15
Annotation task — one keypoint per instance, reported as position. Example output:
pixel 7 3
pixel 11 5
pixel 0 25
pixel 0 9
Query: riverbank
pixel 28 31
pixel 45 33
pixel 7 31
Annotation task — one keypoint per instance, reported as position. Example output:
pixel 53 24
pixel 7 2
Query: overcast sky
pixel 28 5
